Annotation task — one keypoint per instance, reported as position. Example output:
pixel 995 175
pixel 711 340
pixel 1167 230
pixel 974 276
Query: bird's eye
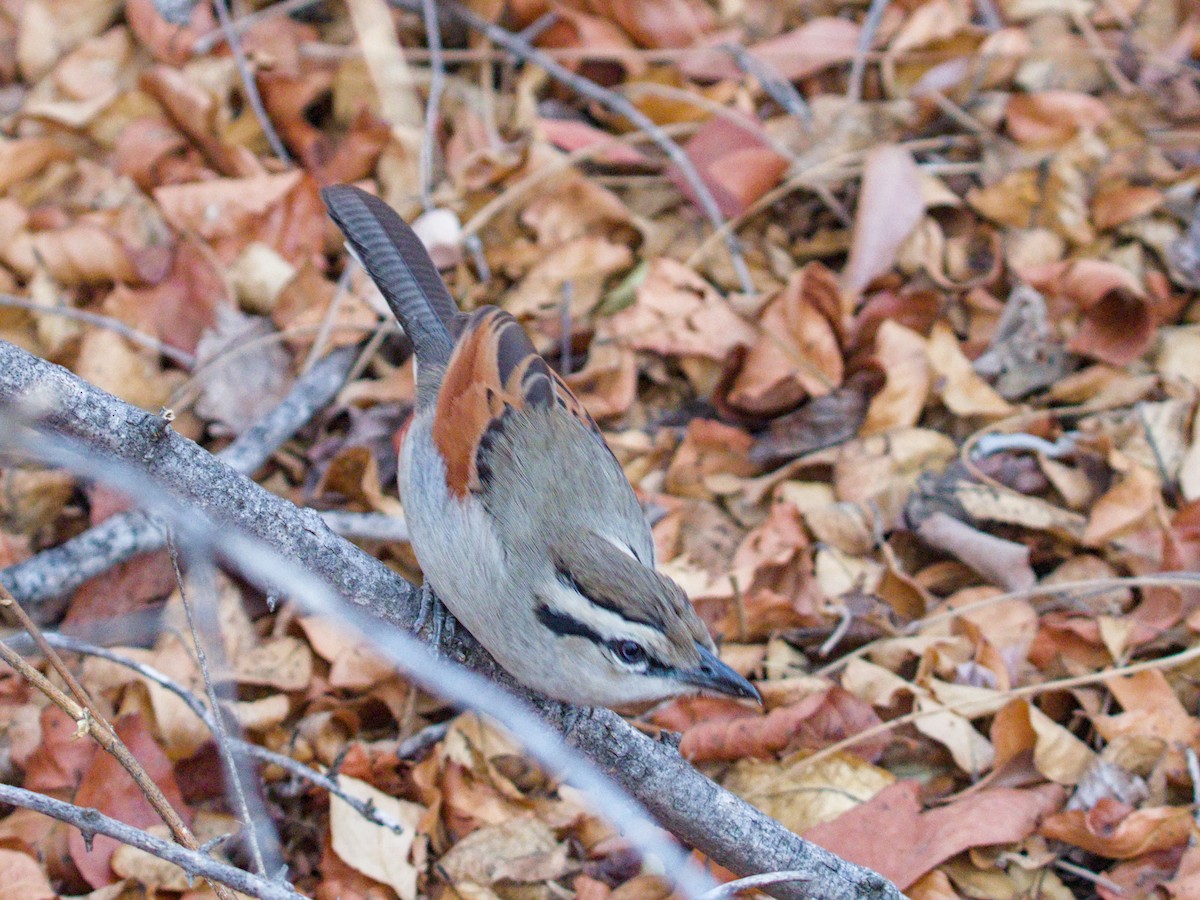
pixel 629 652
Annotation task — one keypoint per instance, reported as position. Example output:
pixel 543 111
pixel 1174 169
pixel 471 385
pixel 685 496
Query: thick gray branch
pixel 59 571
pixel 689 805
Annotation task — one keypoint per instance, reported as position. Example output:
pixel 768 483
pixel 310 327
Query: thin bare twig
pixel 433 103
pixel 564 322
pixel 248 82
pixel 317 350
pixel 733 888
pixel 620 105
pixel 289 765
pixel 987 12
pixel 776 87
pixel 184 395
pixel 866 37
pixel 1030 690
pixel 181 358
pixel 84 712
pixel 91 821
pixel 526 185
pixel 1080 588
pixel 206 42
pixel 653 55
pixel 719 110
pixel 212 628
pixel 1193 767
pixel 1094 41
pixel 1088 875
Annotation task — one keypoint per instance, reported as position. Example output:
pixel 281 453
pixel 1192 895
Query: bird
pixel 519 514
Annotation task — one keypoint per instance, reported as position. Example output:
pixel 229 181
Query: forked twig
pixel 59 570
pixel 194 862
pixel 88 718
pixel 271 757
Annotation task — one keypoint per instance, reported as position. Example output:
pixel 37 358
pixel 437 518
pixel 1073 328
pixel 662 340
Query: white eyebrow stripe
pixel 606 623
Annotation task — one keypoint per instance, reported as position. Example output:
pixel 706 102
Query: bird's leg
pixel 443 628
pixel 433 613
pixel 428 600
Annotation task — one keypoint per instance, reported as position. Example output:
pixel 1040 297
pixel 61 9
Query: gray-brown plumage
pixel 522 519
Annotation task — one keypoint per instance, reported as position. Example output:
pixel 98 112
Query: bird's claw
pixel 440 621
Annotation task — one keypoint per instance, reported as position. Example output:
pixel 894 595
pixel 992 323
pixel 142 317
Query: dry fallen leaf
pixel 240 388
pixel 892 835
pixel 107 787
pixel 735 162
pixel 353 664
pixel 889 207
pixel 522 850
pixel 1112 829
pixel 373 849
pixel 802 796
pixel 23 877
pixel 799 352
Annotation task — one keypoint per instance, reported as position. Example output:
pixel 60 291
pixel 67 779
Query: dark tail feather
pixel 396 260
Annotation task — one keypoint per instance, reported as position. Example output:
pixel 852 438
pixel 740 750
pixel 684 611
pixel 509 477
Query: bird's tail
pixel 398 263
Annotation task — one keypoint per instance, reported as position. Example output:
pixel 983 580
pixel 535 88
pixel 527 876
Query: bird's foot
pixel 434 615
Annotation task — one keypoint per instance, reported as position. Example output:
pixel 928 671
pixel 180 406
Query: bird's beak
pixel 714 675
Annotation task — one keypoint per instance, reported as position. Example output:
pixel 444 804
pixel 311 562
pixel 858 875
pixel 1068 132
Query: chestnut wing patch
pixel 493 369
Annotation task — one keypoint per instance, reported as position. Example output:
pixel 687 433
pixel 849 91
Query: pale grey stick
pixel 733 888
pixel 249 83
pixel 366 526
pixel 433 104
pixel 261 836
pixel 866 36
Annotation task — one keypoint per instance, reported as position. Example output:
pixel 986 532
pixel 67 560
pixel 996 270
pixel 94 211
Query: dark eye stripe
pixel 569 581
pixel 565 625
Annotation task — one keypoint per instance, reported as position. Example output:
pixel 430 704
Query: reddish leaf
pixel 60 761
pixel 1113 829
pixel 735 161
pixel 106 786
pixel 819 43
pixel 890 205
pixel 892 835
pixel 818 720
